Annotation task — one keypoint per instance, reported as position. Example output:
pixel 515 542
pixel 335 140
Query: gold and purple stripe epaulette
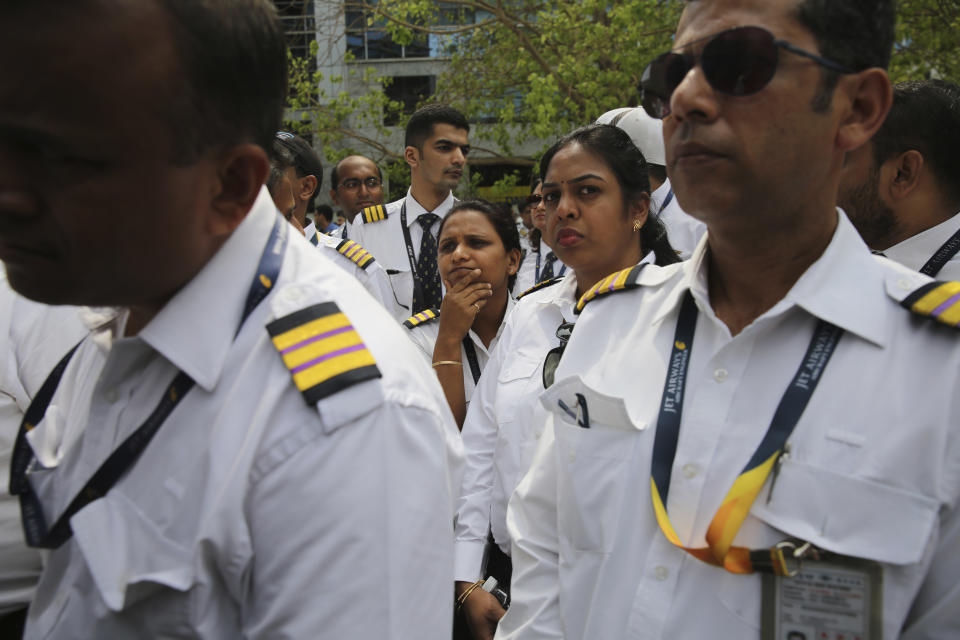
pixel 376 213
pixel 540 285
pixel 618 281
pixel 355 253
pixel 937 300
pixel 322 350
pixel 423 317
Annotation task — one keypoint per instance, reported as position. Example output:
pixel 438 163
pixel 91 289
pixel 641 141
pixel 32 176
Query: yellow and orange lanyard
pixel 736 505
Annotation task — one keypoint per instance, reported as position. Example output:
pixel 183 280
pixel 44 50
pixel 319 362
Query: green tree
pixel 928 40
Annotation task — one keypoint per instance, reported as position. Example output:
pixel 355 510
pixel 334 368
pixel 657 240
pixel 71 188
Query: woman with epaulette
pixel 596 195
pixel 478 254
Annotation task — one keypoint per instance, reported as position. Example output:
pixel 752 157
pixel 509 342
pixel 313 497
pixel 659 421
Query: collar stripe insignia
pixel 618 281
pixel 376 213
pixel 322 350
pixel 937 300
pixel 356 253
pixel 541 285
pixel 420 318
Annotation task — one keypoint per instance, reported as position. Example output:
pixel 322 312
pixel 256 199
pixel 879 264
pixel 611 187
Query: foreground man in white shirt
pixel 902 189
pixel 294 481
pixel 655 479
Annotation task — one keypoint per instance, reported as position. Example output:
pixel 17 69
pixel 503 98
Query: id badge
pixel 838 599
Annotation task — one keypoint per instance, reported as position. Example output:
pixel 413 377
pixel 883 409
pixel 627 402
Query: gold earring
pixel 637 225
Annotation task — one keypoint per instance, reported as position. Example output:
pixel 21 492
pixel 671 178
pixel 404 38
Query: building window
pixel 409 91
pixel 299 24
pixel 372 41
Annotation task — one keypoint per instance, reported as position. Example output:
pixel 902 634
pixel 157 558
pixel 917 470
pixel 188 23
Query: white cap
pixel 646 132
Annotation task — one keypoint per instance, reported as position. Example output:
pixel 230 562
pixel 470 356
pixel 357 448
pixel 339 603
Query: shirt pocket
pixel 600 468
pixel 137 569
pixel 845 514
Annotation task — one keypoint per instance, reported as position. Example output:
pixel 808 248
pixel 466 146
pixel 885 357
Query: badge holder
pixel 809 594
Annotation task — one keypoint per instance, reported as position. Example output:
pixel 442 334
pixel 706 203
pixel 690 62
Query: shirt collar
pixel 916 250
pixel 414 208
pixel 843 286
pixel 493 343
pixel 195 329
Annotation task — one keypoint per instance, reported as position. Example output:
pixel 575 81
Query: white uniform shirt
pixel 683 230
pixel 915 251
pixel 384 239
pixel 33 339
pixel 527 273
pixel 250 514
pixel 373 277
pixel 424 335
pixel 873 470
pixel 499 434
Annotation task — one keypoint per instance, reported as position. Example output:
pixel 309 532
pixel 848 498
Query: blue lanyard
pixel 34 523
pixel 726 523
pixel 666 202
pixel 942 256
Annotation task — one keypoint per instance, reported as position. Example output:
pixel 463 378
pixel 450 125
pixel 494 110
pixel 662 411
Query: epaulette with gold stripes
pixel 937 300
pixel 540 285
pixel 427 315
pixel 355 253
pixel 376 213
pixel 617 281
pixel 322 350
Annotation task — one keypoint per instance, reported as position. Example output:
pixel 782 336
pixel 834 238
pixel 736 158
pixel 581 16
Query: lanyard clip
pixel 784 558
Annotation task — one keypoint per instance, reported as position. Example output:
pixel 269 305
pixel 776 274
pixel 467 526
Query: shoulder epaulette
pixel 322 350
pixel 937 300
pixel 354 252
pixel 427 315
pixel 376 213
pixel 617 281
pixel 540 285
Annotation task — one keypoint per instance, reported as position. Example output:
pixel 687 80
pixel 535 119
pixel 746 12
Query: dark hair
pixel 280 160
pixel 856 33
pixel 233 58
pixel 420 125
pixel 925 117
pixel 612 145
pixel 335 178
pixel 326 211
pixel 499 217
pixel 305 161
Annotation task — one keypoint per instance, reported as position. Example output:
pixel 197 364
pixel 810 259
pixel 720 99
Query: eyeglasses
pixel 552 361
pixel 534 198
pixel 738 62
pixel 352 184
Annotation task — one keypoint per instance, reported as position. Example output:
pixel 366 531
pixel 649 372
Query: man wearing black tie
pixel 402 235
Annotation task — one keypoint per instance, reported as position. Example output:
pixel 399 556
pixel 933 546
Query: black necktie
pixel 427 273
pixel 547 272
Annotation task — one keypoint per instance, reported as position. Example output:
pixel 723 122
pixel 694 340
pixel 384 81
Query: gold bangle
pixel 466 594
pixel 440 362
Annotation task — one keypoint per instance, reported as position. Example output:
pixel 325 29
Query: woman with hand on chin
pixel 596 197
pixel 478 254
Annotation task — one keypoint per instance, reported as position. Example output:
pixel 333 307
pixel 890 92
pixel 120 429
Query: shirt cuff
pixel 468 560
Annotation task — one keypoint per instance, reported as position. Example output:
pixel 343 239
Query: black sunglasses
pixel 552 361
pixel 738 62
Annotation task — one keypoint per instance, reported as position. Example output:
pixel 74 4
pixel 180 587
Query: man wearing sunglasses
pixel 736 446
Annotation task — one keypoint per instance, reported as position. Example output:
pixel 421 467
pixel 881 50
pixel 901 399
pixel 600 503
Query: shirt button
pixel 661 573
pixel 110 396
pixel 905 284
pixel 690 470
pixel 573 456
pixel 292 294
pixel 720 374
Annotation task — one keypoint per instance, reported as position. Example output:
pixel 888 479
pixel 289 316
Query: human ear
pixel 308 185
pixel 241 171
pixel 333 197
pixel 865 99
pixel 412 157
pixel 906 172
pixel 513 261
pixel 639 210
